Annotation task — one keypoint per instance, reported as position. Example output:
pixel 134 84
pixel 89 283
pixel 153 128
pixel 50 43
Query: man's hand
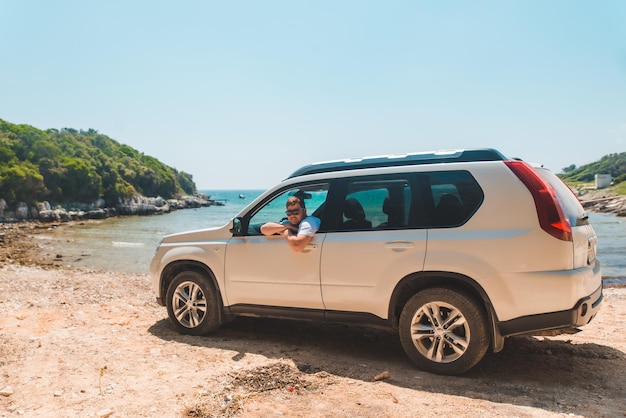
pixel 290 230
pixel 297 242
pixel 272 228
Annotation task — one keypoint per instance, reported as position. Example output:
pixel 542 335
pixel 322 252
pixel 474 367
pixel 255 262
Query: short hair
pixel 295 200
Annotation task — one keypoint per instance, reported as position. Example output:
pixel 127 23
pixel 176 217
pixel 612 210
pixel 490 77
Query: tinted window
pixel 451 197
pixel 375 204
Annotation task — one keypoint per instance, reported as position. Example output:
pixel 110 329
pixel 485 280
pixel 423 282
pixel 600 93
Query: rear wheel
pixel 192 304
pixel 443 331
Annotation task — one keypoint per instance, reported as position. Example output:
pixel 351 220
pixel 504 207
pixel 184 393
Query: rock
pixel 604 202
pixel 9 216
pixel 103 413
pixel 41 206
pixel 75 211
pixel 96 214
pixel 47 216
pixel 7 391
pixel 382 376
pixel 22 211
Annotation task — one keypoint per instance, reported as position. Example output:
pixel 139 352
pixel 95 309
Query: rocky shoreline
pixel 18 227
pixel 18 248
pixel 135 206
pixel 603 201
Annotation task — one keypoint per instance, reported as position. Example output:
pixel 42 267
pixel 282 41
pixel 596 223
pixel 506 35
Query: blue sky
pixel 240 94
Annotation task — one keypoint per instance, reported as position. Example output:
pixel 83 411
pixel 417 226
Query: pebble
pixel 7 391
pixel 382 376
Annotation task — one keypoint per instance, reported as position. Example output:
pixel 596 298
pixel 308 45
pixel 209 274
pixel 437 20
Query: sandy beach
pixel 80 343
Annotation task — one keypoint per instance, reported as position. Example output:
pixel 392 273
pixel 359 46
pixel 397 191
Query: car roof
pixel 431 157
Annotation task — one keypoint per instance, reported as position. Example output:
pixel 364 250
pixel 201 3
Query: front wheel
pixel 443 331
pixel 192 304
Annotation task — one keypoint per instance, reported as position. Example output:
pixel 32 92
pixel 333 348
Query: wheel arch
pixel 173 269
pixel 415 282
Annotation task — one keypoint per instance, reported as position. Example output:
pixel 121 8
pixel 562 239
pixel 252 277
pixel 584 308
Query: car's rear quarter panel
pixel 523 270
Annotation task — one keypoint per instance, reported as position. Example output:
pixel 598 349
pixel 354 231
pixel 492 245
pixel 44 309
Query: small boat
pixel 242 196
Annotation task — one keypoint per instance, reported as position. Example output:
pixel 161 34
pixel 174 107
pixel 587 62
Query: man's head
pixel 296 211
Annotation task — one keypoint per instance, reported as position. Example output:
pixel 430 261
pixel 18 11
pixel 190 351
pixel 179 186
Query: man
pixel 299 228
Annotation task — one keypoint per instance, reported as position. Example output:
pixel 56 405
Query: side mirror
pixel 236 229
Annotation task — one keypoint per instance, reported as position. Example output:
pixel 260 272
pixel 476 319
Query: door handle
pixel 399 245
pixel 309 248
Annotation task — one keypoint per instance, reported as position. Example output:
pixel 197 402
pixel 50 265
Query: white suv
pixel 456 250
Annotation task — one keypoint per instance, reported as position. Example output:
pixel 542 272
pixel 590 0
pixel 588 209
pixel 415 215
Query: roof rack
pixel 434 157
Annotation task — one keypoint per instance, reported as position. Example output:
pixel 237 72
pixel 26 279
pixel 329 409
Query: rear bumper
pixel 581 314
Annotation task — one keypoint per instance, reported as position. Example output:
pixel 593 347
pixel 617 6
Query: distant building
pixel 603 180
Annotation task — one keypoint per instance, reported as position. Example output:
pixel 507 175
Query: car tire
pixel 443 331
pixel 193 305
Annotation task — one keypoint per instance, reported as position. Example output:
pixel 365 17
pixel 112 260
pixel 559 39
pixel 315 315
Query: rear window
pixel 452 197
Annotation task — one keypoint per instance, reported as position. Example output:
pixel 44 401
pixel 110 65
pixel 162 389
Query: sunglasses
pixel 293 212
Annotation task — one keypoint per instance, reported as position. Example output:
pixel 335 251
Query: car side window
pixel 375 204
pixel 273 210
pixel 454 198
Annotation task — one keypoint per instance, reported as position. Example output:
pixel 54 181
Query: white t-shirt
pixel 308 226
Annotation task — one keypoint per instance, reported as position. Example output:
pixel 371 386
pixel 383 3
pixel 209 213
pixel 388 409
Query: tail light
pixel 549 210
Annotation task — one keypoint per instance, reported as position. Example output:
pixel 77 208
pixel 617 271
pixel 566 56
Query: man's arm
pixel 271 228
pixel 306 230
pixel 297 242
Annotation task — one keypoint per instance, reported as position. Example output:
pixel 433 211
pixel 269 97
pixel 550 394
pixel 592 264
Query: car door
pixel 261 270
pixel 368 252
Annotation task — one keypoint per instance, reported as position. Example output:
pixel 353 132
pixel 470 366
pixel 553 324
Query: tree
pixel 569 168
pixel 186 182
pixel 69 165
pixel 613 164
pixel 21 183
pixel 81 183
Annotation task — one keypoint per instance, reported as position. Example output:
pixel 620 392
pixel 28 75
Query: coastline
pixel 18 247
pixel 602 201
pixel 135 206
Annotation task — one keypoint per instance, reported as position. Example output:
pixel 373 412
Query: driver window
pixel 274 209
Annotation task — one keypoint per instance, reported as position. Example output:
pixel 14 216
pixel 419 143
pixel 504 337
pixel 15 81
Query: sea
pixel 126 244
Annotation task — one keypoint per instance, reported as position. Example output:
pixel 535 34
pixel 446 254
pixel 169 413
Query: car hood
pixel 208 234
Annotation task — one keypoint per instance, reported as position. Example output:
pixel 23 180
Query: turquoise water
pixel 126 244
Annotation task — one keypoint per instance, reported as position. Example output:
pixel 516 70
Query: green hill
pixel 69 165
pixel 613 164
